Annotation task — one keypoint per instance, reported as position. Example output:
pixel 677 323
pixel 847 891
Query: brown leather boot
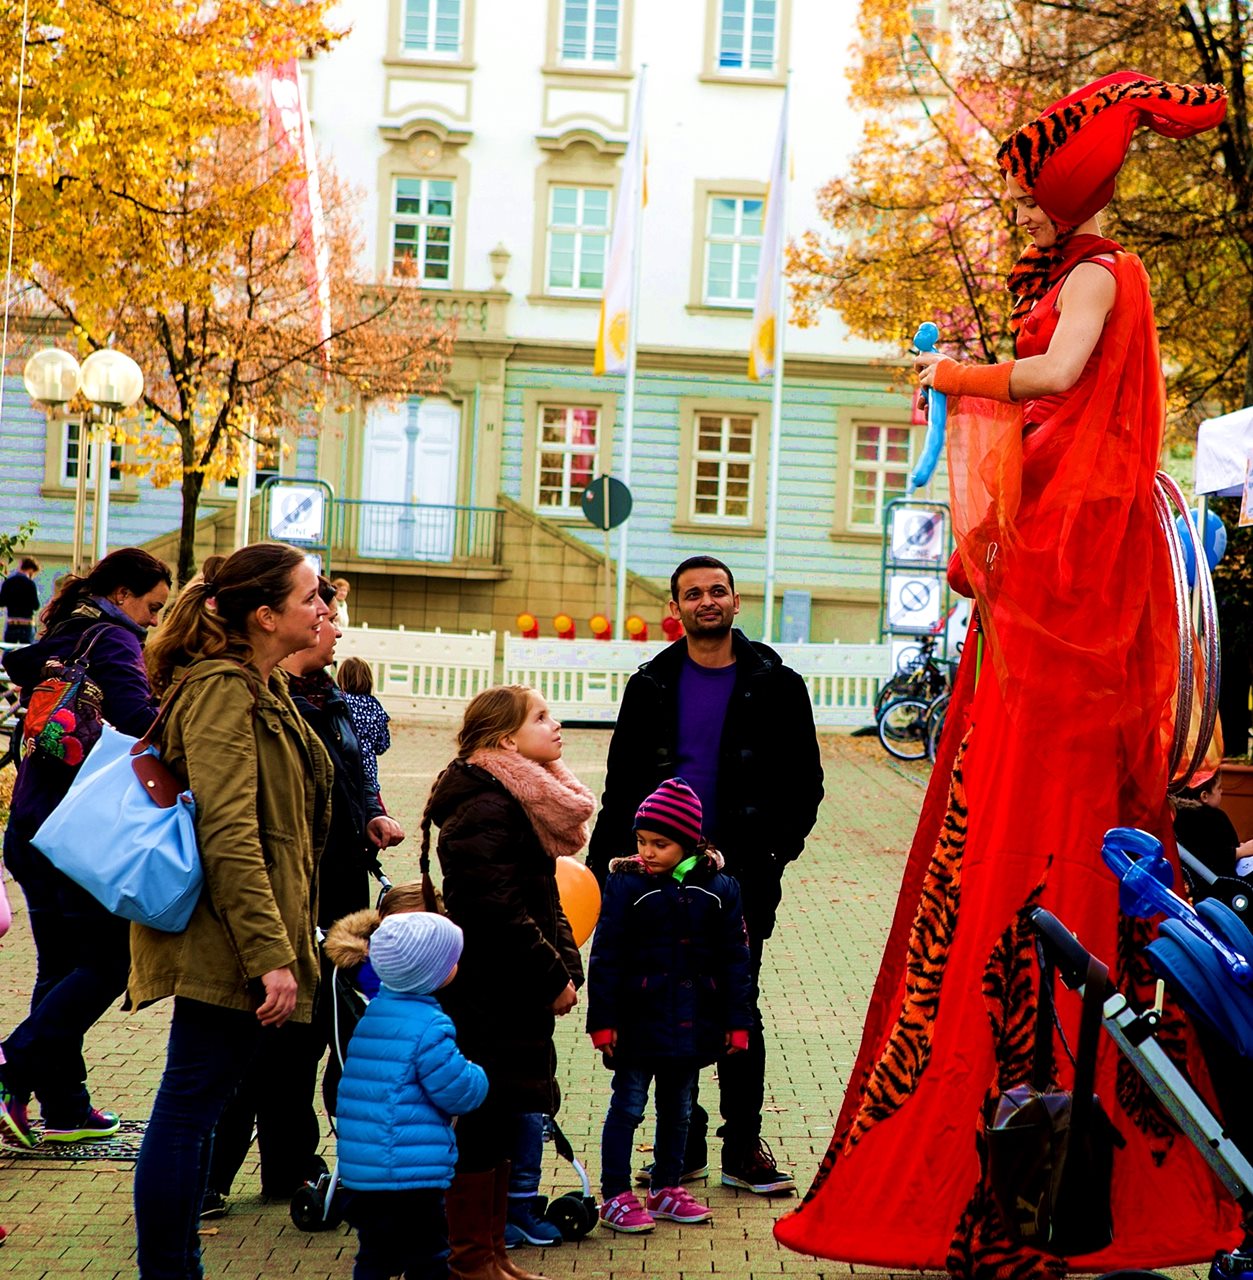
pixel 470 1204
pixel 500 1215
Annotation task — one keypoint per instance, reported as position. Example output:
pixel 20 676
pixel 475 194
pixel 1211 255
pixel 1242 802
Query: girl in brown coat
pixel 261 782
pixel 506 808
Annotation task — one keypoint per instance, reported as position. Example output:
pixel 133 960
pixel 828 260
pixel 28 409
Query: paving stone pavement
pixel 74 1219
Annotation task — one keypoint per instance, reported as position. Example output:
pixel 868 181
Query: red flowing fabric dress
pixel 1064 734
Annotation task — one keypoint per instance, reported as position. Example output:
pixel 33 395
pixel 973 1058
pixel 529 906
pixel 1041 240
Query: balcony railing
pixel 417 532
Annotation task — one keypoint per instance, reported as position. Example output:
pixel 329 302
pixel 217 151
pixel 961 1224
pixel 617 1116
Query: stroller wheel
pixel 1132 1274
pixel 573 1214
pixel 310 1210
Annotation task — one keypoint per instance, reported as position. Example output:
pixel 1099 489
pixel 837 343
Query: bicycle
pixel 933 724
pixel 924 677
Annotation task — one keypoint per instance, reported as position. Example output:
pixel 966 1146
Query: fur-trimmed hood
pixel 348 939
pixel 711 862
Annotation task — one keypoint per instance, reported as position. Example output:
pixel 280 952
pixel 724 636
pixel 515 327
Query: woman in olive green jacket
pixel 261 782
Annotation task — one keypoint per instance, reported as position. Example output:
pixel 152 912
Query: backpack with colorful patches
pixel 64 716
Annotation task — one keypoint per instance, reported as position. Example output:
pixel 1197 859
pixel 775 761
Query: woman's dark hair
pixel 354 676
pixel 130 567
pixel 210 617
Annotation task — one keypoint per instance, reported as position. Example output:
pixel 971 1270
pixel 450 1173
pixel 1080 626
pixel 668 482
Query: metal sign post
pixel 607 503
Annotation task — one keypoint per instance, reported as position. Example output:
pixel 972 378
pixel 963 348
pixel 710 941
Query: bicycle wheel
pixel 934 724
pixel 902 728
pixel 899 686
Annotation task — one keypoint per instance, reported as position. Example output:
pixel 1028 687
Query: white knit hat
pixel 414 951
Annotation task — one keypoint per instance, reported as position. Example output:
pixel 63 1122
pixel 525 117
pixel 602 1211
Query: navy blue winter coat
pixel 404 1079
pixel 670 970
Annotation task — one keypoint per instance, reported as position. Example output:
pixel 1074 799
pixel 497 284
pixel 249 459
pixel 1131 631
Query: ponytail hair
pixel 492 715
pixel 210 617
pixel 131 567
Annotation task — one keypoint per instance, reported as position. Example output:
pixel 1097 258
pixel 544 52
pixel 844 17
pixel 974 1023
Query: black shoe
pixel 753 1168
pixel 214 1205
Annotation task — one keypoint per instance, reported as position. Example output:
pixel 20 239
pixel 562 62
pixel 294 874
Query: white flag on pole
pixel 616 321
pixel 770 264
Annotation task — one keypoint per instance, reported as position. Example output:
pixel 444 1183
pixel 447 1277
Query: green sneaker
pixel 95 1125
pixel 14 1118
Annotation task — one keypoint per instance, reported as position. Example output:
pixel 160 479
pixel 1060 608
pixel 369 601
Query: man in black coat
pixel 19 597
pixel 724 713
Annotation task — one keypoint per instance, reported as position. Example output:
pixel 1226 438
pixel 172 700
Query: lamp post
pixel 112 381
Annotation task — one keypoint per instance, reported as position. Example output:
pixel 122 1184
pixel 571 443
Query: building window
pixel 578 239
pixel 879 473
pixel 72 437
pixel 431 28
pixel 732 249
pixel 569 444
pixel 748 36
pixel 722 470
pixel 589 32
pixel 422 223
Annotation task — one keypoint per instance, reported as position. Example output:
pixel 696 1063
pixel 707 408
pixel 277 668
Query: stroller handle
pixel 1062 947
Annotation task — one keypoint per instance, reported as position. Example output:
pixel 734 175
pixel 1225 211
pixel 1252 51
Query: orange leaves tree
pixel 152 215
pixel 918 228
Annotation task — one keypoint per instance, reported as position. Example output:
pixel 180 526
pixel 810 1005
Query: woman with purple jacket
pixel 83 952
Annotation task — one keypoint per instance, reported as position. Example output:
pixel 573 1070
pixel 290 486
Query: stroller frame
pixel 313 1207
pixel 1134 1034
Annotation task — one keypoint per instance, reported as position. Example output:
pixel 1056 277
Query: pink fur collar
pixel 556 802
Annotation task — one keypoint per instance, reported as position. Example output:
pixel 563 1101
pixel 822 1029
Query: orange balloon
pixel 580 898
pixel 526 622
pixel 563 622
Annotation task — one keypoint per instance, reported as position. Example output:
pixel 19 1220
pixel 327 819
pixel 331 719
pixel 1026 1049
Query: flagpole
pixel 628 399
pixel 776 395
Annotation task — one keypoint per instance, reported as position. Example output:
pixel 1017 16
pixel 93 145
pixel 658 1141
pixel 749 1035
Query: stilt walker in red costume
pixel 1059 729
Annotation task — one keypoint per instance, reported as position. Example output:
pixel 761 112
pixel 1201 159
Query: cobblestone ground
pixel 71 1219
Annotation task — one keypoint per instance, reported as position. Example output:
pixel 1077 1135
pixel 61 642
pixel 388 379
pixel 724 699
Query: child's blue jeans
pixel 528 1156
pixel 675 1081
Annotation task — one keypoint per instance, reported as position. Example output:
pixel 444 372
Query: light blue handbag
pixel 127 834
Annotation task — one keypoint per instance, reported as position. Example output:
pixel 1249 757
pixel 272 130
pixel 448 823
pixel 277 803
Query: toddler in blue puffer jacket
pixel 404 1081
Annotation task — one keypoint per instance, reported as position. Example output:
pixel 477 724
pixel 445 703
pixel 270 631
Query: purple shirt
pixel 704 694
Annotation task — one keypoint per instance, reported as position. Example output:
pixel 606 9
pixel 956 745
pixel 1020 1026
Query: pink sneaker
pixel 676 1204
pixel 625 1213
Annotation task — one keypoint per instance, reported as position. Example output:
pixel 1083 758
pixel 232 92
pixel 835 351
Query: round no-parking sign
pixel 913 602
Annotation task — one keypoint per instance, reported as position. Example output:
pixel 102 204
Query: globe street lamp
pixel 112 381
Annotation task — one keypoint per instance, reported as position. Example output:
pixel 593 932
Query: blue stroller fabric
pixel 1199 977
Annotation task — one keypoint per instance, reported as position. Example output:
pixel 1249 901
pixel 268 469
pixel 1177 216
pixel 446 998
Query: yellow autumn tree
pixel 918 229
pixel 151 214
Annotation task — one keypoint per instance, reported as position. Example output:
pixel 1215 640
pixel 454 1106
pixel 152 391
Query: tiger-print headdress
pixel 1069 157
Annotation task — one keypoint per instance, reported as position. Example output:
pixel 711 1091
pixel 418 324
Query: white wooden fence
pixel 584 679
pixel 435 673
pixel 423 673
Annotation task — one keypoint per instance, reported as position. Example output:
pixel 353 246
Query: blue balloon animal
pixel 1139 862
pixel 937 414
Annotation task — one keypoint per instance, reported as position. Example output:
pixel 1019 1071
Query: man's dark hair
pixel 698 562
pixel 29 562
pixel 326 589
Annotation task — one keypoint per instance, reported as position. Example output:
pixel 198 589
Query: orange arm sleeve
pixel 991 381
